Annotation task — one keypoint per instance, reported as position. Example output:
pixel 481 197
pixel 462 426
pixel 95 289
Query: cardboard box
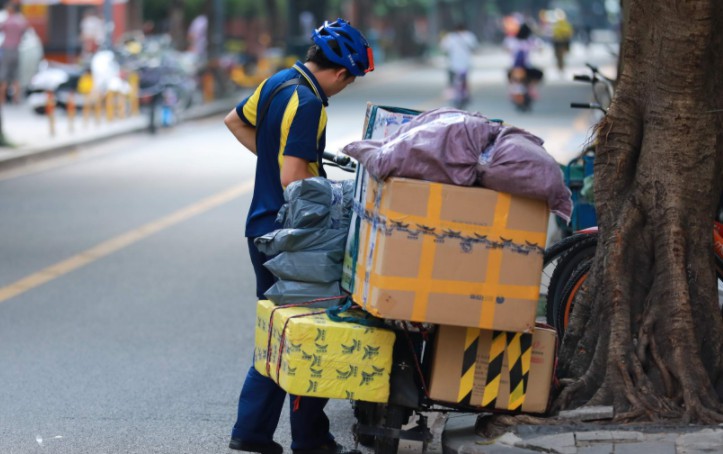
pixel 308 354
pixel 449 255
pixel 379 122
pixel 472 367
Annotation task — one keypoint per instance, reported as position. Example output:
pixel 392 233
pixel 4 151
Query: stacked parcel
pixel 466 258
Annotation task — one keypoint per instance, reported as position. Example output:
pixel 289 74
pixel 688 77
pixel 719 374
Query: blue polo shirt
pixel 294 125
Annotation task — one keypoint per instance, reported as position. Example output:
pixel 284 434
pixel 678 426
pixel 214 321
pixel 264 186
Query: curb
pixel 459 437
pixel 32 154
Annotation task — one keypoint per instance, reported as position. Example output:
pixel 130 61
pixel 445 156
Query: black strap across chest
pixel 265 107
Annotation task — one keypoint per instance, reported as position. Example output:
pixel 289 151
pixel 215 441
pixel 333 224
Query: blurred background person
pixel 562 32
pixel 523 77
pixel 92 32
pixel 14 27
pixel 459 45
pixel 197 38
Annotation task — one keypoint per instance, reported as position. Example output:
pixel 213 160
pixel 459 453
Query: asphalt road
pixel 126 294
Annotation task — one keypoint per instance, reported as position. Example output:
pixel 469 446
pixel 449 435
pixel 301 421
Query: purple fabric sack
pixel 517 163
pixel 457 147
pixel 441 145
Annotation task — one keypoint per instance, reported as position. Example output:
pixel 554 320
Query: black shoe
pixel 329 448
pixel 269 448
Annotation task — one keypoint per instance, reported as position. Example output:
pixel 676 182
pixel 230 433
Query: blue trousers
pixel 261 400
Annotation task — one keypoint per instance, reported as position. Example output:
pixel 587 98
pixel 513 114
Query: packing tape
pixel 519 356
pixel 429 249
pixel 494 259
pixel 494 369
pixel 469 363
pixel 492 290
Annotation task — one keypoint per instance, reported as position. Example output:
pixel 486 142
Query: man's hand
pixel 294 169
pixel 244 133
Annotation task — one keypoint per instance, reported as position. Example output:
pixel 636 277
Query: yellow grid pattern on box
pixel 384 226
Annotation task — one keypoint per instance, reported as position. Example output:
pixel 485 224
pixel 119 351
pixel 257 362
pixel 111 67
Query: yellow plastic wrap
pixel 320 357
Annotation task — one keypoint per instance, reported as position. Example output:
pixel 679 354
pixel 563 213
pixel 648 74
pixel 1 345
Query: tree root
pixel 631 395
pixel 664 373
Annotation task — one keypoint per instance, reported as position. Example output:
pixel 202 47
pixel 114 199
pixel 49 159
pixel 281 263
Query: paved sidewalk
pixel 29 133
pixel 588 438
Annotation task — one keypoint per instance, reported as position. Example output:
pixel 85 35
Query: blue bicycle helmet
pixel 353 51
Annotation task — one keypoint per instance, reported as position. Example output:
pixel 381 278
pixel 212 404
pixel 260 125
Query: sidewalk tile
pixel 563 443
pixel 646 447
pixel 604 448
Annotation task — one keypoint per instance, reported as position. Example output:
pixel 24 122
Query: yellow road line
pixel 121 241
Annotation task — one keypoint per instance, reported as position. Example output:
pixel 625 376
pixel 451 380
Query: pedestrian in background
pixel 14 28
pixel 562 33
pixel 458 45
pixel 197 39
pixel 92 32
pixel 284 123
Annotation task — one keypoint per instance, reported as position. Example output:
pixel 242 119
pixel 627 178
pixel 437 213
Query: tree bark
pixel 646 335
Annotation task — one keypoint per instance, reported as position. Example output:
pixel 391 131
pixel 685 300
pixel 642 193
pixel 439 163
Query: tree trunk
pixel 649 338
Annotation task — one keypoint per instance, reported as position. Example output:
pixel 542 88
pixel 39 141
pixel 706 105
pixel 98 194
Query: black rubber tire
pixel 569 253
pixel 550 259
pixel 395 417
pixel 567 296
pixel 367 414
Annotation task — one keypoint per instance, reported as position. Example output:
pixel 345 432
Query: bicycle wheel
pixel 566 302
pixel 559 262
pixel 550 259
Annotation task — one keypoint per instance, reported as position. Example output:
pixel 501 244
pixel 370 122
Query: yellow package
pixel 308 354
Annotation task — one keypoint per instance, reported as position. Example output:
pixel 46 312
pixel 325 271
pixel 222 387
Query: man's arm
pixel 243 132
pixel 294 169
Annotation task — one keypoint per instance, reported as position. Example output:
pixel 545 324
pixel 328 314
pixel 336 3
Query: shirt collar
pixel 299 66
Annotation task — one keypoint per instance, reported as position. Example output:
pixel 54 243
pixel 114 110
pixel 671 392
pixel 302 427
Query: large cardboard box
pixel 307 354
pixel 449 255
pixel 379 122
pixel 493 369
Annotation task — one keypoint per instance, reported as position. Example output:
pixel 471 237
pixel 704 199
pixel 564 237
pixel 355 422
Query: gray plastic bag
pixel 285 292
pixel 317 203
pixel 309 250
pixel 307 266
pixel 294 240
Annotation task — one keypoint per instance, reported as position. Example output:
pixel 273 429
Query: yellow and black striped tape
pixel 469 361
pixel 519 354
pixel 494 369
